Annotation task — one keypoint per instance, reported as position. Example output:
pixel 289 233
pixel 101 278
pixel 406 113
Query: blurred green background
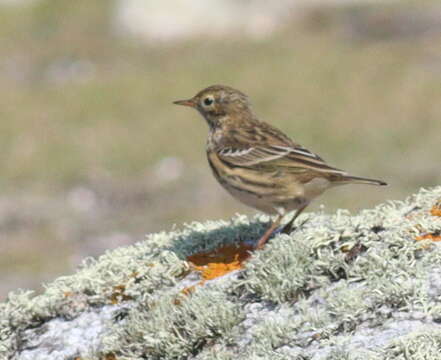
pixel 93 154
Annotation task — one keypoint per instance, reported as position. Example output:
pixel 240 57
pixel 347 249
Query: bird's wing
pixel 264 147
pixel 271 157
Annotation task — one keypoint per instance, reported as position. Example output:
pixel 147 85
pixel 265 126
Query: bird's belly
pixel 297 195
pixel 277 200
pixel 251 199
pixel 281 199
pixel 315 187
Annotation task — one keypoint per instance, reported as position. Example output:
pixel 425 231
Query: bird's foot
pixel 289 228
pixel 268 234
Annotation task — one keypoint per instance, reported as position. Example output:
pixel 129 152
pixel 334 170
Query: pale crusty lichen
pixel 305 296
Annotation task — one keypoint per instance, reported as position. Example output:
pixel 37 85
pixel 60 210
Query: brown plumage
pixel 257 163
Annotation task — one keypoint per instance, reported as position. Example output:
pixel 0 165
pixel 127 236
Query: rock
pixel 300 297
pixel 67 338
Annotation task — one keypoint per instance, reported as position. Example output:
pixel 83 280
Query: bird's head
pixel 218 103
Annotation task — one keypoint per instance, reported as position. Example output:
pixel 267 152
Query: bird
pixel 257 163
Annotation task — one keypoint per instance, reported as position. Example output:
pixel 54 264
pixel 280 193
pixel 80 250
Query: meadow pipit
pixel 257 163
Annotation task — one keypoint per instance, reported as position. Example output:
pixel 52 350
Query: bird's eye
pixel 208 101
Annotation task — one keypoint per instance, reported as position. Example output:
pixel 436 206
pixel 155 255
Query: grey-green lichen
pixel 418 345
pixel 308 295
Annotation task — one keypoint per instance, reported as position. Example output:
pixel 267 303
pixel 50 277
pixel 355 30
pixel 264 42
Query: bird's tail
pixel 360 180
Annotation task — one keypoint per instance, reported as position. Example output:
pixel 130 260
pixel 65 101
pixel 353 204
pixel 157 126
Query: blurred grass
pixel 81 104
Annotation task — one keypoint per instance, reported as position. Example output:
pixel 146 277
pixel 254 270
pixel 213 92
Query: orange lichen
pixel 134 274
pixel 118 295
pixel 432 237
pixel 109 356
pixel 436 210
pixel 214 264
pixel 185 292
pixel 188 290
pixel 220 261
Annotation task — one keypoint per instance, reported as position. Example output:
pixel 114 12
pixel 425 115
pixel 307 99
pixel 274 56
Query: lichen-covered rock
pixel 340 287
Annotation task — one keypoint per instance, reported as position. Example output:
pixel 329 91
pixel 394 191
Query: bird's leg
pixel 265 237
pixel 288 227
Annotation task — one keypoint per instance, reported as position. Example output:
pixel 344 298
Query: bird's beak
pixel 189 102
